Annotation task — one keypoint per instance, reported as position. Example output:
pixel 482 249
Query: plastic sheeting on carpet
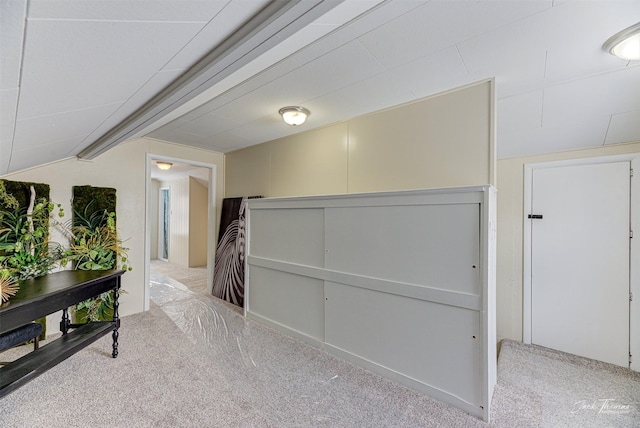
pixel 204 319
pixel 288 382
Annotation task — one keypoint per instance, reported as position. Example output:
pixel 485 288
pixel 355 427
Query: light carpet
pixel 540 387
pixel 194 361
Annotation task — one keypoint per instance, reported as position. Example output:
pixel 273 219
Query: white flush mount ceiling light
pixel 164 165
pixel 293 115
pixel 625 44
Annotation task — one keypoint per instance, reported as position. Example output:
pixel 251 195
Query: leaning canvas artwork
pixel 228 276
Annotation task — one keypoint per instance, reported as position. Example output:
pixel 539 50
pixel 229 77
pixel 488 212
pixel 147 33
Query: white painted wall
pixel 188 202
pixel 123 168
pixel 178 220
pixel 443 140
pixel 198 202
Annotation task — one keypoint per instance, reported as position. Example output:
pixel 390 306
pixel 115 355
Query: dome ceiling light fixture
pixel 625 44
pixel 294 115
pixel 164 165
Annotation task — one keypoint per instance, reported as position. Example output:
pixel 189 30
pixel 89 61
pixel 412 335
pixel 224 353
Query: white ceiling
pixel 73 70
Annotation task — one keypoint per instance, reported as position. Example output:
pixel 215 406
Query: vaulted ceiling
pixel 79 77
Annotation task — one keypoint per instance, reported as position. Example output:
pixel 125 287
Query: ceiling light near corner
pixel 164 165
pixel 625 44
pixel 294 116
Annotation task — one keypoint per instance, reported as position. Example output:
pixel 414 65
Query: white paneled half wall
pixel 401 283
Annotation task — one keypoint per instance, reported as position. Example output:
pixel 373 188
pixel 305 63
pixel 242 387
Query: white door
pixel 580 260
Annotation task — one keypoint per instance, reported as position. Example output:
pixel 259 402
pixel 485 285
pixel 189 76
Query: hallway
pixel 193 278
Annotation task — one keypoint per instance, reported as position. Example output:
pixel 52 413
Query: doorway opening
pixel 163 223
pixel 181 219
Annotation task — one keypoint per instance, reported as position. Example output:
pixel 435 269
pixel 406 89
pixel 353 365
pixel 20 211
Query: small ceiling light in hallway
pixel 294 115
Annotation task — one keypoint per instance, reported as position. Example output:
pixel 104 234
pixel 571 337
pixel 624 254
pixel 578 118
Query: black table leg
pixel 116 319
pixel 64 324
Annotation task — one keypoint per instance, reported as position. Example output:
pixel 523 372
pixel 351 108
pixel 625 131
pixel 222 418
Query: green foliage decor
pixel 25 249
pixel 95 244
pixel 18 193
pixel 89 200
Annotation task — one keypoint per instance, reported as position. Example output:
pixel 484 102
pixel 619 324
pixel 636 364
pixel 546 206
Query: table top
pixel 49 293
pixel 52 283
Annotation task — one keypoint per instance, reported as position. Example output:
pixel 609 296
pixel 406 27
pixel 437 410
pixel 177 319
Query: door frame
pixel 211 215
pixel 634 248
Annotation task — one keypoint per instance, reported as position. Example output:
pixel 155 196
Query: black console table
pixel 47 294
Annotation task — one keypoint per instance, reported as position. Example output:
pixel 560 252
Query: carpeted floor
pixel 540 387
pixel 194 361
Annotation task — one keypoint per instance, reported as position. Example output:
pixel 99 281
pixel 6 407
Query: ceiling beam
pixel 273 24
